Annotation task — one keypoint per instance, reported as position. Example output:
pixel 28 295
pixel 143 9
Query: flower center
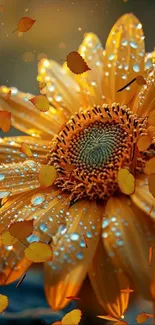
pixel 91 147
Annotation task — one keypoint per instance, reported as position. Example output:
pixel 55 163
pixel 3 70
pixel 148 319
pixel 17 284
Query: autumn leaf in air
pixel 42 84
pixel 40 102
pixel 126 181
pixel 76 63
pixel 21 229
pixel 3 303
pixel 5 121
pixel 143 317
pixel 7 239
pixel 72 318
pixel 47 175
pixel 8 95
pixel 24 24
pixel 38 252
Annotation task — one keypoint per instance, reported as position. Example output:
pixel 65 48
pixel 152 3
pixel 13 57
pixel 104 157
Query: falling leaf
pixel 5 121
pixel 73 298
pixel 8 95
pixel 151 118
pixel 150 255
pixel 76 63
pixel 38 252
pixel 127 290
pixel 7 239
pixel 21 229
pixel 140 80
pixel 42 84
pixel 144 142
pixel 40 102
pixel 142 317
pixel 21 280
pixel 150 166
pixel 47 175
pixel 24 24
pixel 126 181
pixel 108 317
pixel 26 149
pixel 151 184
pixel 3 303
pixel 72 318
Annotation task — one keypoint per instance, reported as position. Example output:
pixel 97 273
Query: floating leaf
pixel 21 280
pixel 73 298
pixel 126 181
pixel 8 95
pixel 72 318
pixel 38 252
pixel 151 118
pixel 150 166
pixel 150 255
pixel 142 317
pixel 7 239
pixel 108 317
pixel 151 183
pixel 5 121
pixel 3 303
pixel 76 63
pixel 25 24
pixel 140 80
pixel 127 290
pixel 26 149
pixel 40 102
pixel 144 142
pixel 42 84
pixel 21 229
pixel 47 175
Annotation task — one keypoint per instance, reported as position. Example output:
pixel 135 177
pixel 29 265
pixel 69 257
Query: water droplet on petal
pixel 33 238
pixel 134 45
pixel 2 176
pixel 124 42
pixel 43 227
pixel 74 236
pixel 38 199
pixel 58 98
pixel 111 57
pixel 120 242
pixel 4 194
pixel 105 223
pixel 136 67
pixel 80 256
pixel 104 235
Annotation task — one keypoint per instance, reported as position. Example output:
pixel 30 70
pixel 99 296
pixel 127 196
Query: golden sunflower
pixel 87 146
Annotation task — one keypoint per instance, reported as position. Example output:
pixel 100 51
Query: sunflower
pixel 88 136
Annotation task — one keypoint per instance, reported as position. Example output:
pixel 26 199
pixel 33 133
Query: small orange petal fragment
pixel 108 317
pixel 21 229
pixel 127 290
pixel 151 118
pixel 142 317
pixel 26 149
pixel 3 303
pixel 140 80
pixel 5 121
pixel 126 181
pixel 7 239
pixel 151 184
pixel 42 84
pixel 47 175
pixel 8 95
pixel 72 318
pixel 38 252
pixel 25 24
pixel 76 63
pixel 150 166
pixel 144 142
pixel 40 102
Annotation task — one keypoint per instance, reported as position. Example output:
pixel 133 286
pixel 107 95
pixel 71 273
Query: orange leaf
pixel 73 298
pixel 151 118
pixel 7 239
pixel 127 290
pixel 76 63
pixel 42 84
pixel 5 121
pixel 150 166
pixel 38 252
pixel 47 175
pixel 72 318
pixel 150 255
pixel 3 303
pixel 26 149
pixel 144 142
pixel 151 184
pixel 140 80
pixel 40 102
pixel 108 317
pixel 8 95
pixel 142 317
pixel 21 229
pixel 25 24
pixel 126 181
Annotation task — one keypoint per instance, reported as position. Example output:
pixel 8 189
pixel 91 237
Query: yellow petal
pixel 151 184
pixel 150 166
pixel 151 118
pixel 122 62
pixel 144 142
pixel 47 175
pixel 7 239
pixel 40 102
pixel 26 150
pixel 3 303
pixel 5 121
pixel 21 229
pixel 72 318
pixel 39 252
pixel 126 181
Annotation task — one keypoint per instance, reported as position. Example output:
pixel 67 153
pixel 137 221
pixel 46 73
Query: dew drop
pixel 74 236
pixel 104 235
pixel 148 64
pixel 134 45
pixel 33 238
pixel 139 26
pixel 118 233
pixel 2 176
pixel 111 57
pixel 38 199
pixel 120 242
pixel 80 256
pixel 58 98
pixel 124 42
pixel 105 223
pixel 43 227
pixel 136 67
pixel 62 229
pixel 89 234
pixel 4 194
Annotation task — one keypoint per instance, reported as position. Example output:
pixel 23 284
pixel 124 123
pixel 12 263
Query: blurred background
pixel 59 29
